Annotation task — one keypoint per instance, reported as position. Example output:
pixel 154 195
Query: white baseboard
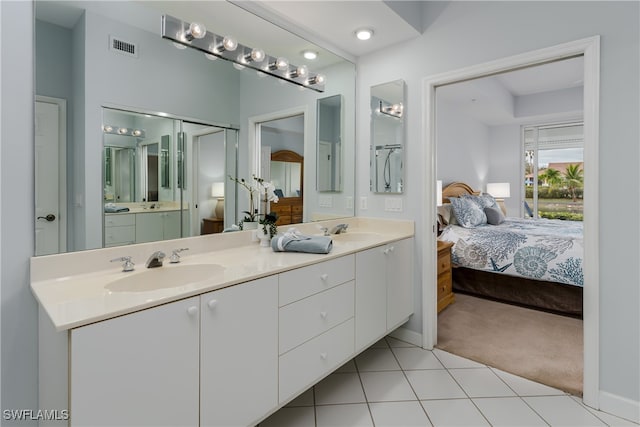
pixel 407 335
pixel 620 406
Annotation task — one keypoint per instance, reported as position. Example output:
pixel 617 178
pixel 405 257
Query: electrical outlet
pixel 325 201
pixel 363 203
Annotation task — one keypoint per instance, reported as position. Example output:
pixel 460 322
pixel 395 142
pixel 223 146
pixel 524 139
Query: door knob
pixel 49 218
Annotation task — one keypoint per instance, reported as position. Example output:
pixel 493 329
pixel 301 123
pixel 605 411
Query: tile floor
pixel 394 383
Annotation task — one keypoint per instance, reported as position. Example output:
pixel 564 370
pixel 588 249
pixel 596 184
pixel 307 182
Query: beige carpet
pixel 540 346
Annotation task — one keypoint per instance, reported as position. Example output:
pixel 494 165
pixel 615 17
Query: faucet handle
pixel 325 230
pixel 127 264
pixel 175 256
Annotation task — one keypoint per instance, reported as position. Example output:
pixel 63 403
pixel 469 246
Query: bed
pixel 531 262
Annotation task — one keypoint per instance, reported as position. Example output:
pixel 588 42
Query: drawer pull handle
pixel 392 248
pixel 323 314
pixel 323 356
pixel 213 303
pixel 324 277
pixel 386 251
pixel 192 311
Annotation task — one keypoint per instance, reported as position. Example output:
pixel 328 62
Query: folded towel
pixel 293 241
pixel 230 229
pixel 110 208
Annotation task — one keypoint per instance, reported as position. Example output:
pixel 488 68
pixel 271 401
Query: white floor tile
pixel 381 343
pixel 562 411
pixel 339 388
pixel 305 399
pixel 291 417
pixel 609 419
pixel 481 382
pixel 386 386
pixel 456 412
pixel 377 359
pixel 508 412
pixel 525 387
pixel 400 414
pixel 416 358
pixel 452 361
pixel 394 342
pixel 355 415
pixel 350 366
pixel 434 384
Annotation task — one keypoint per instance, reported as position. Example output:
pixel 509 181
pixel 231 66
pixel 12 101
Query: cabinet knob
pixel 324 277
pixel 213 303
pixel 323 356
pixel 323 314
pixel 192 311
pixel 386 251
pixel 392 248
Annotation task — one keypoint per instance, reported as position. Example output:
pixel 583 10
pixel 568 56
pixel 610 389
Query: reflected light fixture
pixel 364 33
pixel 217 192
pixel 393 110
pixel 195 36
pixel 115 130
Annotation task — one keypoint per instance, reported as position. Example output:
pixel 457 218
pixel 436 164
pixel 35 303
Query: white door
pixel 47 130
pixel 324 166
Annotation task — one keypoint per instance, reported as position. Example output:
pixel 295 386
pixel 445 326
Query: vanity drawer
pixel 303 282
pixel 444 263
pixel 119 220
pixel 126 234
pixel 304 365
pixel 307 318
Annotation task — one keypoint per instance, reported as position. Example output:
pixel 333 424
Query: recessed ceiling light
pixel 364 33
pixel 310 54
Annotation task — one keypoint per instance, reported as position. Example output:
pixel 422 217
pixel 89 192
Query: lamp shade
pixel 439 193
pixel 217 189
pixel 499 190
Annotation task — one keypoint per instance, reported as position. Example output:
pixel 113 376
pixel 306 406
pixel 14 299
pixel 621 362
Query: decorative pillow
pixel 494 215
pixel 446 213
pixel 467 213
pixel 483 200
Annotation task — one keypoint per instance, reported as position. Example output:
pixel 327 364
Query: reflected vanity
pixel 387 137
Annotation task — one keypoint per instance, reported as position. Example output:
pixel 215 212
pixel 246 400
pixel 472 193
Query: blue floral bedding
pixel 540 249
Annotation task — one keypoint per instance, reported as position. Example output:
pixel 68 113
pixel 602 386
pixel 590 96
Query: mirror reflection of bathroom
pixel 329 167
pixel 387 137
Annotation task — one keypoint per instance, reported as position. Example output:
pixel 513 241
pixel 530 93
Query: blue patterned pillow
pixel 483 200
pixel 467 212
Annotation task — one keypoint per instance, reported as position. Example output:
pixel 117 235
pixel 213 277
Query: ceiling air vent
pixel 123 47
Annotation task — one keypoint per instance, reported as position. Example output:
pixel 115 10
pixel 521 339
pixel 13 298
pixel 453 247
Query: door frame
pixel 589 48
pixel 62 168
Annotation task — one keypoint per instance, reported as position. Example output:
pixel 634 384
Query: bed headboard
pixel 456 189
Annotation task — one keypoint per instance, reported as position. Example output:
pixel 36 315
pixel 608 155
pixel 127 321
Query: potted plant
pixel 264 191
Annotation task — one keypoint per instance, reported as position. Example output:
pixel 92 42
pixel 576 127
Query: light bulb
pixel 300 71
pixel 228 43
pixel 123 131
pixel 181 36
pixel 256 55
pixel 137 132
pixel 211 56
pixel 364 34
pixel 279 64
pixel 107 128
pixel 318 79
pixel 195 31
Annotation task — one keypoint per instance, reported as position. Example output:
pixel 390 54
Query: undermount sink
pixel 355 236
pixel 168 276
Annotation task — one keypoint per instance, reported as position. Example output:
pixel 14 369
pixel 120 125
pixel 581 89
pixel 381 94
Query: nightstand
pixel 212 225
pixel 445 292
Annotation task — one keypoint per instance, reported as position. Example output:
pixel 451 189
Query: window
pixel 553 171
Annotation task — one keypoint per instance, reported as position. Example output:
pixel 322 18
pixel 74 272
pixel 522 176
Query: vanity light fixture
pixel 364 33
pixel 115 130
pixel 195 36
pixel 393 110
pixel 123 131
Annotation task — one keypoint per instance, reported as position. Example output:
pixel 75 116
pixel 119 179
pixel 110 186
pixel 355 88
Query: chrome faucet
pixel 155 260
pixel 175 256
pixel 127 264
pixel 340 228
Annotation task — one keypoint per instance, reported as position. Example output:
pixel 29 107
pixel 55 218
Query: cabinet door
pixel 149 227
pixel 371 296
pixel 399 281
pixel 171 225
pixel 239 353
pixel 137 370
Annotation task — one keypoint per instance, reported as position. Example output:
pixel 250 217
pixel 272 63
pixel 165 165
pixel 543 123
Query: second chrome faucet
pixel 155 260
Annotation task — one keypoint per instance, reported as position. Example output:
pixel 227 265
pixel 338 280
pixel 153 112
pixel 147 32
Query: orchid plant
pixel 259 190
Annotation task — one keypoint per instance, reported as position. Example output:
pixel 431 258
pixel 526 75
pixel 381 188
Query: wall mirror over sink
pixel 387 137
pixel 114 68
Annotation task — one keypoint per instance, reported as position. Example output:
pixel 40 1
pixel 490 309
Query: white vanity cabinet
pixel 384 290
pixel 138 369
pixel 239 353
pixel 119 229
pixel 154 226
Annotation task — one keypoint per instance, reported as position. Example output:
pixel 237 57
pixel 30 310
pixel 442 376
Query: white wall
pixel 505 163
pixel 460 34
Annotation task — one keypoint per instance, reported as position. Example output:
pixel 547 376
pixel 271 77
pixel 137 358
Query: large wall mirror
pixel 103 63
pixel 387 137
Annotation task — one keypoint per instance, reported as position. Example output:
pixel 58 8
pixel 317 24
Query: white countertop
pixel 76 289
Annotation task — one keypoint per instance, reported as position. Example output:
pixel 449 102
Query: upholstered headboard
pixel 456 189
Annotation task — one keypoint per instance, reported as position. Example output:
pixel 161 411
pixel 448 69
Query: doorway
pixel 589 48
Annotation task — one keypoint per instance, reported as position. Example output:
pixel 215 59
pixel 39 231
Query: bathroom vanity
pixel 227 336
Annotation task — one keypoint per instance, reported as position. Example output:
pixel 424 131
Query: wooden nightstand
pixel 445 292
pixel 212 225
